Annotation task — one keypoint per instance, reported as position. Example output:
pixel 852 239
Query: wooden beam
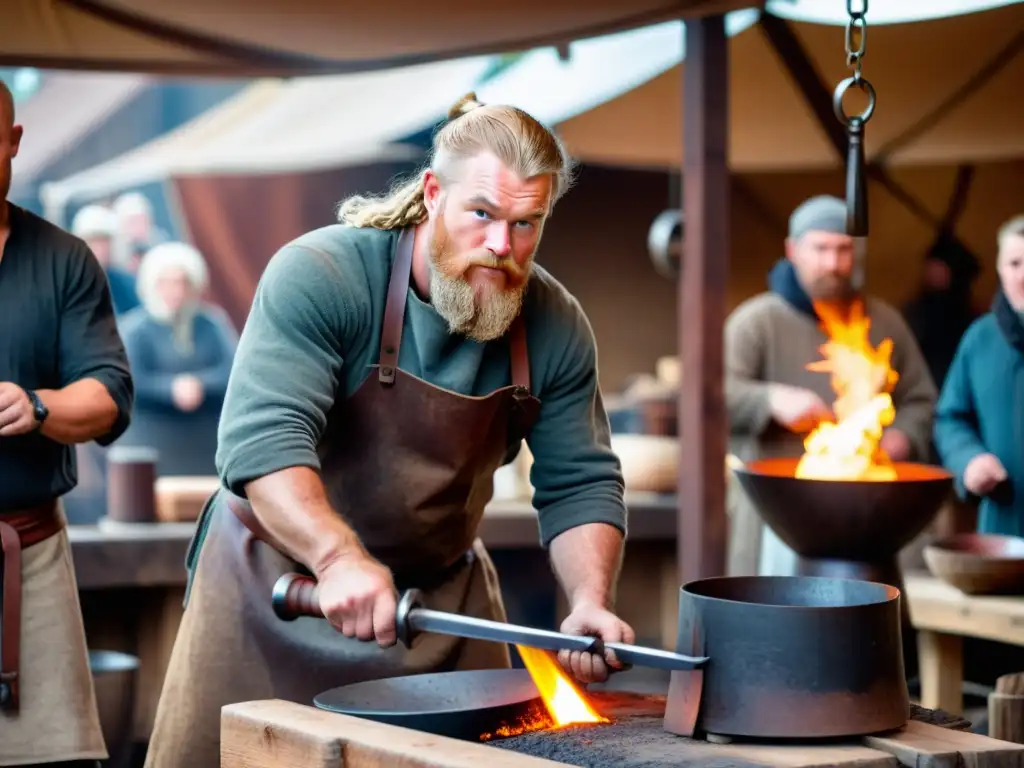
pixel 958 198
pixel 702 284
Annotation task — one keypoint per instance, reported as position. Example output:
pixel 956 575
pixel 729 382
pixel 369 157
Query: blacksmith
pixel 773 401
pixel 64 380
pixel 389 365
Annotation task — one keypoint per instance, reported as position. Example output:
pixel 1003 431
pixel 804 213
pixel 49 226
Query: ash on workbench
pixel 636 738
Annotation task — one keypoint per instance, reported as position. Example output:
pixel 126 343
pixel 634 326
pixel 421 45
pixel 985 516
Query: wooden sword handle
pixel 296 595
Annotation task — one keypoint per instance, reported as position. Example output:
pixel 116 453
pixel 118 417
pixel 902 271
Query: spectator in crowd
pixel 181 350
pixel 979 419
pixel 97 226
pixel 136 230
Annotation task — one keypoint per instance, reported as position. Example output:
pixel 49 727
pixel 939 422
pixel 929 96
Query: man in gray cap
pixel 774 401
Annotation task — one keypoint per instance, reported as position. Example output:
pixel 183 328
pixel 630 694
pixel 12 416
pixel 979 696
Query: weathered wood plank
pixel 920 745
pixel 274 734
pixel 279 734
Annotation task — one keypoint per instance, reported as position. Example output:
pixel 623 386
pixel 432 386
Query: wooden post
pixel 702 283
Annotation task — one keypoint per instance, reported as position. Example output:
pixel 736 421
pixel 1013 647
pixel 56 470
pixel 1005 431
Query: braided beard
pixel 454 299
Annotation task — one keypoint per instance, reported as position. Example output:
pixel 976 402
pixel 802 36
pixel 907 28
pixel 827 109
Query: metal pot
pixel 790 657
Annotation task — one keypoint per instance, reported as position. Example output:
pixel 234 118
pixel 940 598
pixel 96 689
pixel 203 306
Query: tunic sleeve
pixel 286 370
pixel 746 396
pixel 576 476
pixel 90 345
pixel 956 433
pixel 915 394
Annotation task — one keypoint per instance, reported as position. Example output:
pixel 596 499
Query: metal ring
pixel 664 243
pixel 842 88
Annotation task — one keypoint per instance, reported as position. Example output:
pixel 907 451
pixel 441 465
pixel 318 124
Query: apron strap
pixel 10 618
pixel 520 356
pixel 394 310
pixel 394 320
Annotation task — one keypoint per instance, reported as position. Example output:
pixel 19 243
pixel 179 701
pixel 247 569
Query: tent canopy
pixel 279 126
pixel 277 37
pixel 52 129
pixel 948 91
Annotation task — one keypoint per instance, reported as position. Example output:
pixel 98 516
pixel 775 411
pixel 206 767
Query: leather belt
pixel 243 511
pixel 18 530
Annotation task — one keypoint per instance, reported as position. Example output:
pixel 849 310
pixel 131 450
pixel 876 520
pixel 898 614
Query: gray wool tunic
pixel 314 329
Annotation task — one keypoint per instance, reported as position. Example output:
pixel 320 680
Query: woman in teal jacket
pixel 979 418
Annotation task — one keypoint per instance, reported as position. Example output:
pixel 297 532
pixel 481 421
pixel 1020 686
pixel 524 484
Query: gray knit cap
pixel 823 213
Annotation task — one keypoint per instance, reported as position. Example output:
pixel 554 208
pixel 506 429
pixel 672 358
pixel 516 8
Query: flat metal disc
pixel 465 704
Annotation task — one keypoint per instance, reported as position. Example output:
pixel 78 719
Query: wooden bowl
pixel 649 462
pixel 979 563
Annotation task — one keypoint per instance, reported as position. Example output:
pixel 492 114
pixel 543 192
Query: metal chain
pixel 856 35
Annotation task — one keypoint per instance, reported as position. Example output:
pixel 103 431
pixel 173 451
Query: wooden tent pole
pixel 701 538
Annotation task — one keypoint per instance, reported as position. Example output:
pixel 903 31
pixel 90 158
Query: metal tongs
pixel 296 595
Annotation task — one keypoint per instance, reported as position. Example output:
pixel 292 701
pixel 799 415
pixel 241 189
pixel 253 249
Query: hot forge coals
pixel 562 703
pixel 634 737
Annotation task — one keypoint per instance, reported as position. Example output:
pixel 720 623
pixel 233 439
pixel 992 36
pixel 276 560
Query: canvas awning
pixel 948 91
pixel 51 129
pixel 286 126
pixel 554 89
pixel 250 37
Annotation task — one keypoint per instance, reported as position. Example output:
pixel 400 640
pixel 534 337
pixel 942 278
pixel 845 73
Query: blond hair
pixel 516 138
pixel 1012 228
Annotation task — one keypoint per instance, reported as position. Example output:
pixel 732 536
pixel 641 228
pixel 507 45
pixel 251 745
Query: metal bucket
pixel 114 675
pixel 790 658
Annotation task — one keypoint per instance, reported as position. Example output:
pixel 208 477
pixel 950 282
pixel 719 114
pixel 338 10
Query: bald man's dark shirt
pixel 57 327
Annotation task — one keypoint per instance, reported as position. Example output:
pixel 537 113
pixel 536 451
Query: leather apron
pixel 48 707
pixel 410 467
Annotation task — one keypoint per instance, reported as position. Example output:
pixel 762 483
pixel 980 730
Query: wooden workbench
pixel 276 734
pixel 132 578
pixel 943 616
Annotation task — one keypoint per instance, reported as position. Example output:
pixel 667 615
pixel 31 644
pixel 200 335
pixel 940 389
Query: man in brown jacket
pixel 774 401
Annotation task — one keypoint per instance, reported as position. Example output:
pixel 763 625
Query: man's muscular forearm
pixel 587 560
pixel 292 505
pixel 78 413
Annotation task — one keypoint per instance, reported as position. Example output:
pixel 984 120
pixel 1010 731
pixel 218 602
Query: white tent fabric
pixel 51 129
pixel 879 11
pixel 597 70
pixel 617 100
pixel 277 126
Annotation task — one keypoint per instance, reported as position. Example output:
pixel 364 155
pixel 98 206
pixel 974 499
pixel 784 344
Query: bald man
pixel 64 380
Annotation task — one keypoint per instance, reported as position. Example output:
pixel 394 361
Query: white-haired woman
pixel 181 350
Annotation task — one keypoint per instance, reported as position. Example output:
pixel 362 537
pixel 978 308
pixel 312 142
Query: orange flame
pixel 564 701
pixel 862 378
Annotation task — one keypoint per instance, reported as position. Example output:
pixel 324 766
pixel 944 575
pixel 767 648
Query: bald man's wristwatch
pixel 39 410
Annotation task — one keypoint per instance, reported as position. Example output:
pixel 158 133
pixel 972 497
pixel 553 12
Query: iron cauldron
pixel 791 657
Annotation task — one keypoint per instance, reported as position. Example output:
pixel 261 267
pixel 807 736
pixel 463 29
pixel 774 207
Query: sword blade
pixel 439 622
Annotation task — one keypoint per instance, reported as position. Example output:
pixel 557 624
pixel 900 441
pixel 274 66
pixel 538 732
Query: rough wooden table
pixel 153 554
pixel 275 734
pixel 943 616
